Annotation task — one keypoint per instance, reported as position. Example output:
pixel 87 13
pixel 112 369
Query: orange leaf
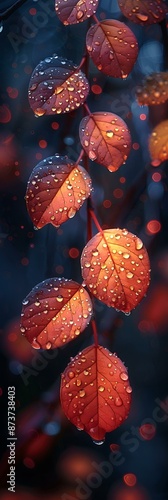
pixel 154 89
pixel 115 267
pixel 95 392
pixel 158 142
pixel 74 11
pixel 55 312
pixel 56 189
pixel 106 139
pixel 113 48
pixel 143 12
pixel 57 86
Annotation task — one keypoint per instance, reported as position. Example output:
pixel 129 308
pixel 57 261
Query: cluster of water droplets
pixel 154 89
pixel 146 12
pixel 75 12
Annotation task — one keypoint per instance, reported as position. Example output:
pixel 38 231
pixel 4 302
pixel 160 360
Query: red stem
pixel 83 60
pixel 80 156
pixel 87 109
pixel 95 19
pixel 91 211
pixel 94 328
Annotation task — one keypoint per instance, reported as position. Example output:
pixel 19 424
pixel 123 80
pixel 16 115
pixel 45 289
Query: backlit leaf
pixel 55 312
pixel 95 392
pixel 56 189
pixel 154 89
pixel 116 268
pixel 106 139
pixel 158 142
pixel 113 48
pixel 143 12
pixel 57 86
pixel 73 11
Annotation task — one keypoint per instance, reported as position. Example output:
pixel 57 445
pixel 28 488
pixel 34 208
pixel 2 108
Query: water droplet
pixel 22 329
pixel 99 443
pixel 126 255
pixel 35 344
pixel 71 374
pixel 123 376
pixel 129 389
pixel 34 86
pixel 39 112
pixel 77 332
pixel 101 388
pixel 48 345
pixel 1 27
pixel 25 302
pixel 118 401
pixel 71 213
pixel 81 428
pixel 109 133
pixel 130 275
pixel 37 303
pixel 82 394
pixel 78 382
pixel 87 264
pixel 58 90
pixel 142 17
pixel 92 155
pixel 79 14
pixel 86 372
pixel 59 298
pixel 95 252
pixel 138 244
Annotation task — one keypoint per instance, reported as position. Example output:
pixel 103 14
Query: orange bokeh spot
pixel 12 92
pixel 96 89
pixel 107 203
pixel 39 156
pixel 147 431
pixel 153 227
pixel 43 143
pixel 136 145
pixel 142 116
pixel 118 193
pixel 130 479
pixel 32 12
pixel 55 125
pixel 5 114
pixel 25 261
pixel 156 177
pixel 73 253
pixel 122 180
pixel 114 447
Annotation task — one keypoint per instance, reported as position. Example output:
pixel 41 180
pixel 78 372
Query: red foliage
pixel 73 11
pixel 55 312
pixel 95 391
pixel 56 189
pixel 113 48
pixel 105 138
pixel 143 11
pixel 57 86
pixel 115 267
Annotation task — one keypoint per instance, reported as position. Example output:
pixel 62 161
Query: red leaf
pixel 113 48
pixel 55 312
pixel 57 86
pixel 95 392
pixel 143 12
pixel 115 267
pixel 74 11
pixel 56 189
pixel 106 139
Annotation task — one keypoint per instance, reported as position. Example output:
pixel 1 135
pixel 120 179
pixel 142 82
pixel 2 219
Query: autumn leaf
pixel 158 142
pixel 113 48
pixel 56 190
pixel 73 11
pixel 55 312
pixel 95 392
pixel 154 89
pixel 143 12
pixel 115 267
pixel 57 86
pixel 105 138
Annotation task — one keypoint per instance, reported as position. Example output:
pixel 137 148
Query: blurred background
pixel 53 459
